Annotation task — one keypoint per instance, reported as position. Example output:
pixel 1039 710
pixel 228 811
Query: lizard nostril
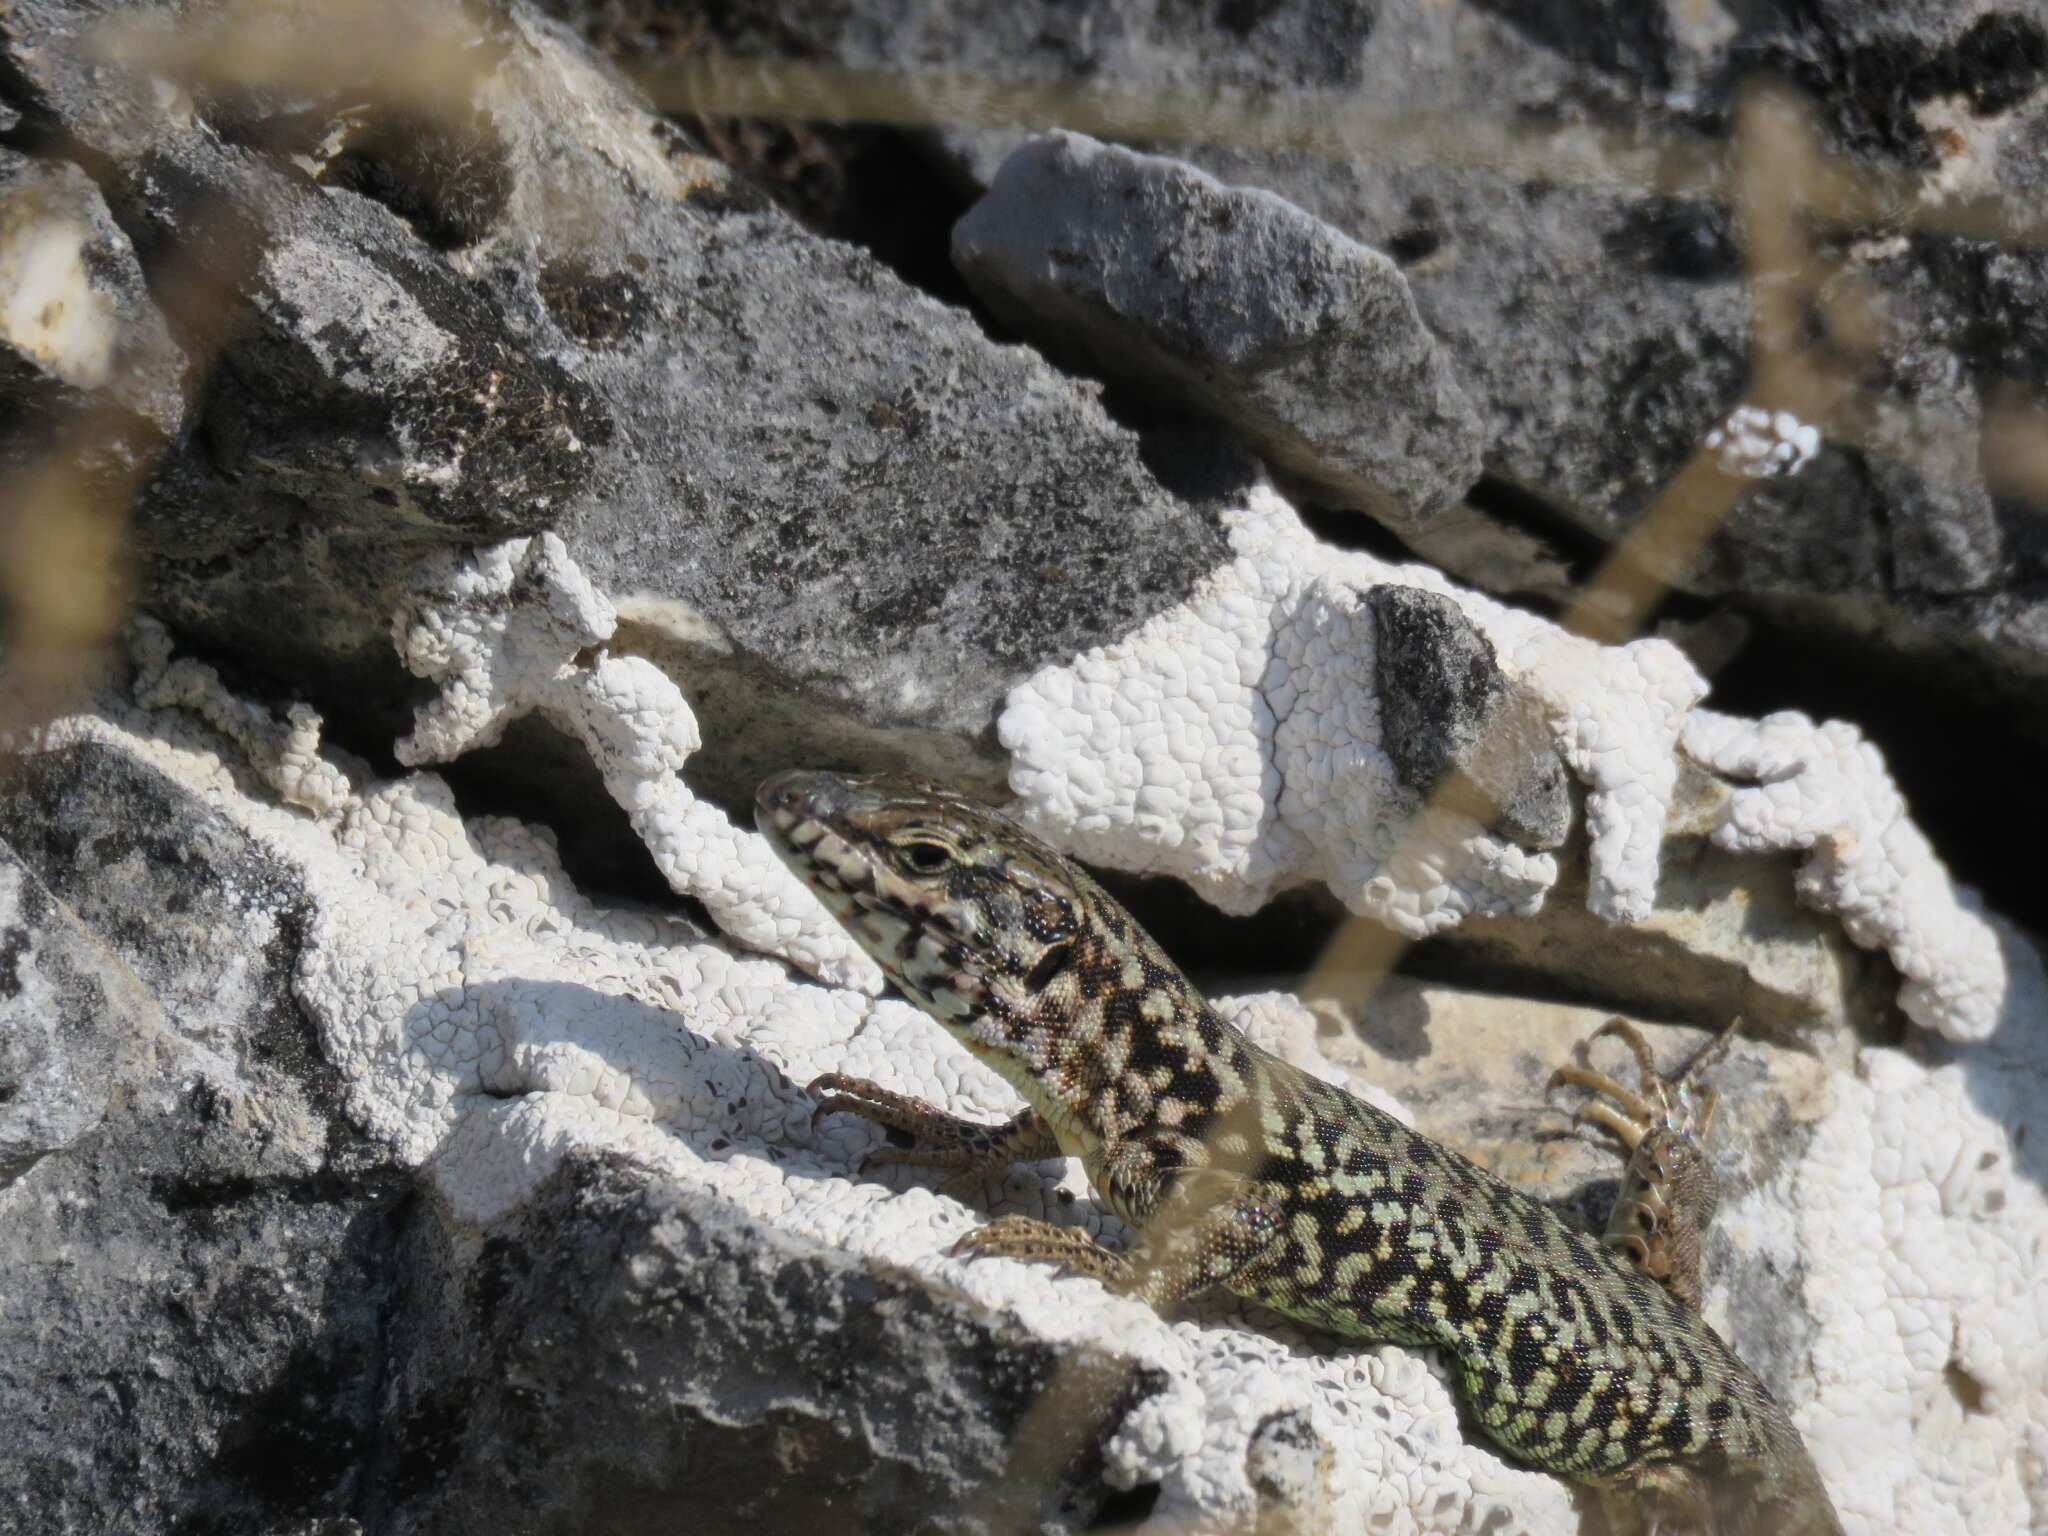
pixel 797 793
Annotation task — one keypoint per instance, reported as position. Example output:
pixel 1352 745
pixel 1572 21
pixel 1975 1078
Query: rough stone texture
pixel 1726 939
pixel 681 1365
pixel 193 1279
pixel 359 382
pixel 636 1277
pixel 222 1309
pixel 581 1284
pixel 1304 341
pixel 1601 326
pixel 1456 726
pixel 64 1006
pixel 79 333
pixel 771 451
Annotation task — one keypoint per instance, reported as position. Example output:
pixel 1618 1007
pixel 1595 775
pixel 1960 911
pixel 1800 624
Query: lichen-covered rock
pixel 1300 338
pixel 638 1241
pixel 525 307
pixel 1519 162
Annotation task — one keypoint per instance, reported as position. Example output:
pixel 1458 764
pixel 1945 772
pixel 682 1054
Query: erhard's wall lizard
pixel 1235 1168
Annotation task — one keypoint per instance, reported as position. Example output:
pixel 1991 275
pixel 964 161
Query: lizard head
pixel 966 912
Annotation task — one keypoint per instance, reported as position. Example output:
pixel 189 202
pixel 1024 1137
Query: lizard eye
pixel 924 858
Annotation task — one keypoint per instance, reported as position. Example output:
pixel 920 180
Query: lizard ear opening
pixel 1050 964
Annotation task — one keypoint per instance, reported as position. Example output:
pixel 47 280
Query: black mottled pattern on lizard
pixel 1236 1168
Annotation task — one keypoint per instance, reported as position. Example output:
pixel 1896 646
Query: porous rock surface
pixel 361 1168
pixel 522 1077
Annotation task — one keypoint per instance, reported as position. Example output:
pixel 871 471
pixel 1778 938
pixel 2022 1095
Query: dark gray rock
pixel 843 518
pixel 621 1358
pixel 1234 300
pixel 223 1310
pixel 853 522
pixel 358 380
pixel 193 1279
pixel 1457 729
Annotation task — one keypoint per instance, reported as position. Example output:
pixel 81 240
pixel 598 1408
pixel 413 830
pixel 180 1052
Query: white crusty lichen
pixel 1922 1235
pixel 517 628
pixel 1759 444
pixel 286 756
pixel 1235 741
pixel 488 1020
pixel 1824 791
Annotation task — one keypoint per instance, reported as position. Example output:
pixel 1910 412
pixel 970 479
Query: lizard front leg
pixel 938 1139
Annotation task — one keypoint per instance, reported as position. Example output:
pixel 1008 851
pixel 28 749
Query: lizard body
pixel 1237 1169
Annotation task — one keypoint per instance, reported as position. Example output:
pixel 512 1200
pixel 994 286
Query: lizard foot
pixel 1668 1190
pixel 1026 1237
pixel 938 1139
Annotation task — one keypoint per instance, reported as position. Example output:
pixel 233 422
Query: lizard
pixel 1235 1168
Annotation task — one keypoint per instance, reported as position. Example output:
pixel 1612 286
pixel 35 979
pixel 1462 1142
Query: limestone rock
pixel 1305 342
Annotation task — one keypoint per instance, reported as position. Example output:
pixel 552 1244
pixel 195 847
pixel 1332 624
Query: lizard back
pixel 1568 1356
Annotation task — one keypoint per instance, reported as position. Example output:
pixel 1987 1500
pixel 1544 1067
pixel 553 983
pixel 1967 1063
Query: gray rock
pixel 194 1280
pixel 843 518
pixel 82 344
pixel 624 1358
pixel 359 380
pixel 1237 302
pixel 1598 322
pixel 1455 726
pixel 220 1305
pixel 65 1006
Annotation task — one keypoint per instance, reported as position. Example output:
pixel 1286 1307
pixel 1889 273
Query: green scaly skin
pixel 1236 1169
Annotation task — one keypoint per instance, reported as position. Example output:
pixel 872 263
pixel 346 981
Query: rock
pixel 363 1169
pixel 196 1272
pixel 1527 167
pixel 772 452
pixel 1236 302
pixel 65 1004
pixel 217 1298
pixel 669 1351
pixel 1456 727
pixel 79 333
pixel 1726 939
pixel 620 1267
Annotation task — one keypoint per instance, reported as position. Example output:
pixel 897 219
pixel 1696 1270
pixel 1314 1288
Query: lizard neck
pixel 1117 1047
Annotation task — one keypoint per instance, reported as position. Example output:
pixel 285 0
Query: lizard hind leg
pixel 1668 1189
pixel 1660 1499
